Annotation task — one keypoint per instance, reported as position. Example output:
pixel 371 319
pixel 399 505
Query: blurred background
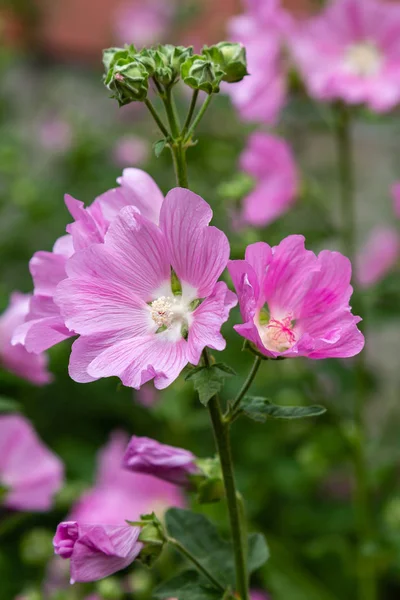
pixel 60 133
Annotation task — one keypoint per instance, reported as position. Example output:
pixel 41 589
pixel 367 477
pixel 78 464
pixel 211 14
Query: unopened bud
pixel 202 74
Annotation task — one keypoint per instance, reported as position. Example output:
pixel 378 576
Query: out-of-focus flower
pixel 294 303
pixel 130 151
pixel 95 550
pixel 16 358
pixel 119 495
pixel 396 199
pixel 44 326
pixel 144 455
pixel 55 135
pixel 262 29
pixel 350 52
pixel 138 319
pixel 378 256
pixel 29 472
pixel 258 595
pixel 147 395
pixel 270 160
pixel 143 23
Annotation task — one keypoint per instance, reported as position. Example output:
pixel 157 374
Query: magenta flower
pixel 294 303
pixel 16 358
pixel 30 473
pixel 131 150
pixel 262 30
pixel 396 198
pixel 378 256
pixel 44 326
pixel 350 52
pixel 270 160
pixel 119 295
pixel 96 551
pixel 143 23
pixel 119 495
pixel 144 455
pixel 258 595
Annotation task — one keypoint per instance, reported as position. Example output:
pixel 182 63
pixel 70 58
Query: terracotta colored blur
pixel 79 29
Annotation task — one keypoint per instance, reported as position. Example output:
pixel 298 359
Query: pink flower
pixel 44 326
pixel 30 472
pixel 119 495
pixel 144 455
pixel 262 30
pixel 258 595
pixel 120 299
pixel 350 52
pixel 130 150
pixel 55 135
pixel 143 23
pixel 396 198
pixel 294 303
pixel 378 256
pixel 270 160
pixel 15 358
pixel 96 551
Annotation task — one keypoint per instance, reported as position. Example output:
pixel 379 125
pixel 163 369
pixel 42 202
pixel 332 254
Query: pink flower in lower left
pixel 30 473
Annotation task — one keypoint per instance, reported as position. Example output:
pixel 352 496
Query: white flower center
pixel 363 59
pixel 278 335
pixel 162 310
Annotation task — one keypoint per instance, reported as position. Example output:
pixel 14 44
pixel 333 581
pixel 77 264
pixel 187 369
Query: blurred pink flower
pixel 119 495
pixel 270 160
pixel 147 395
pixel 350 52
pixel 44 326
pixel 258 595
pixel 294 303
pixel 131 151
pixel 262 29
pixel 143 23
pixel 378 256
pixel 55 135
pixel 29 471
pixel 16 358
pixel 396 199
pixel 119 295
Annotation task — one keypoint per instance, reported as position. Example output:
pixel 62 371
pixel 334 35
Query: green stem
pixel 249 380
pixel 367 578
pixel 157 119
pixel 170 112
pixel 196 563
pixel 222 440
pixel 190 113
pixel 199 116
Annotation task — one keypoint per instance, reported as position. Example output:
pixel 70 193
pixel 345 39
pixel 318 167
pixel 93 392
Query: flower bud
pixel 152 537
pixel 230 58
pixel 127 76
pixel 166 61
pixel 202 74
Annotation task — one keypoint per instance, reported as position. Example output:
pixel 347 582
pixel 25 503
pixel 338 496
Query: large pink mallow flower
pixel 30 473
pixel 262 29
pixel 119 495
pixel 269 159
pixel 350 52
pixel 96 551
pixel 294 303
pixel 44 326
pixel 135 320
pixel 143 23
pixel 16 358
pixel 379 255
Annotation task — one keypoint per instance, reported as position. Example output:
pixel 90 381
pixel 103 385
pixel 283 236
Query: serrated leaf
pixel 260 409
pixel 208 381
pixel 188 585
pixel 159 146
pixel 9 405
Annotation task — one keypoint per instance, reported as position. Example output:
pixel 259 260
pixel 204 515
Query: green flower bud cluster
pixel 128 71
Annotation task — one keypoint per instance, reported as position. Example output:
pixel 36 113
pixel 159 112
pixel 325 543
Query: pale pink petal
pixel 379 255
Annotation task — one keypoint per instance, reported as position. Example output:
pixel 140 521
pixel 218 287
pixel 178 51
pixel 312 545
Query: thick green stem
pixel 222 440
pixel 196 563
pixel 178 152
pixel 170 112
pixel 367 579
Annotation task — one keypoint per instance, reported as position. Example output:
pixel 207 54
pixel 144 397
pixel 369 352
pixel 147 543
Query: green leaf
pixel 258 551
pixel 159 146
pixel 208 381
pixel 260 409
pixel 188 585
pixel 9 405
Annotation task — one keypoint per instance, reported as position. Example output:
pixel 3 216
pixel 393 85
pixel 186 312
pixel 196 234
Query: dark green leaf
pixel 260 409
pixel 208 381
pixel 188 585
pixel 258 551
pixel 9 405
pixel 225 368
pixel 159 146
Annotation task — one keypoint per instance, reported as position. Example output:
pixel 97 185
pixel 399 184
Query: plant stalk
pixel 196 563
